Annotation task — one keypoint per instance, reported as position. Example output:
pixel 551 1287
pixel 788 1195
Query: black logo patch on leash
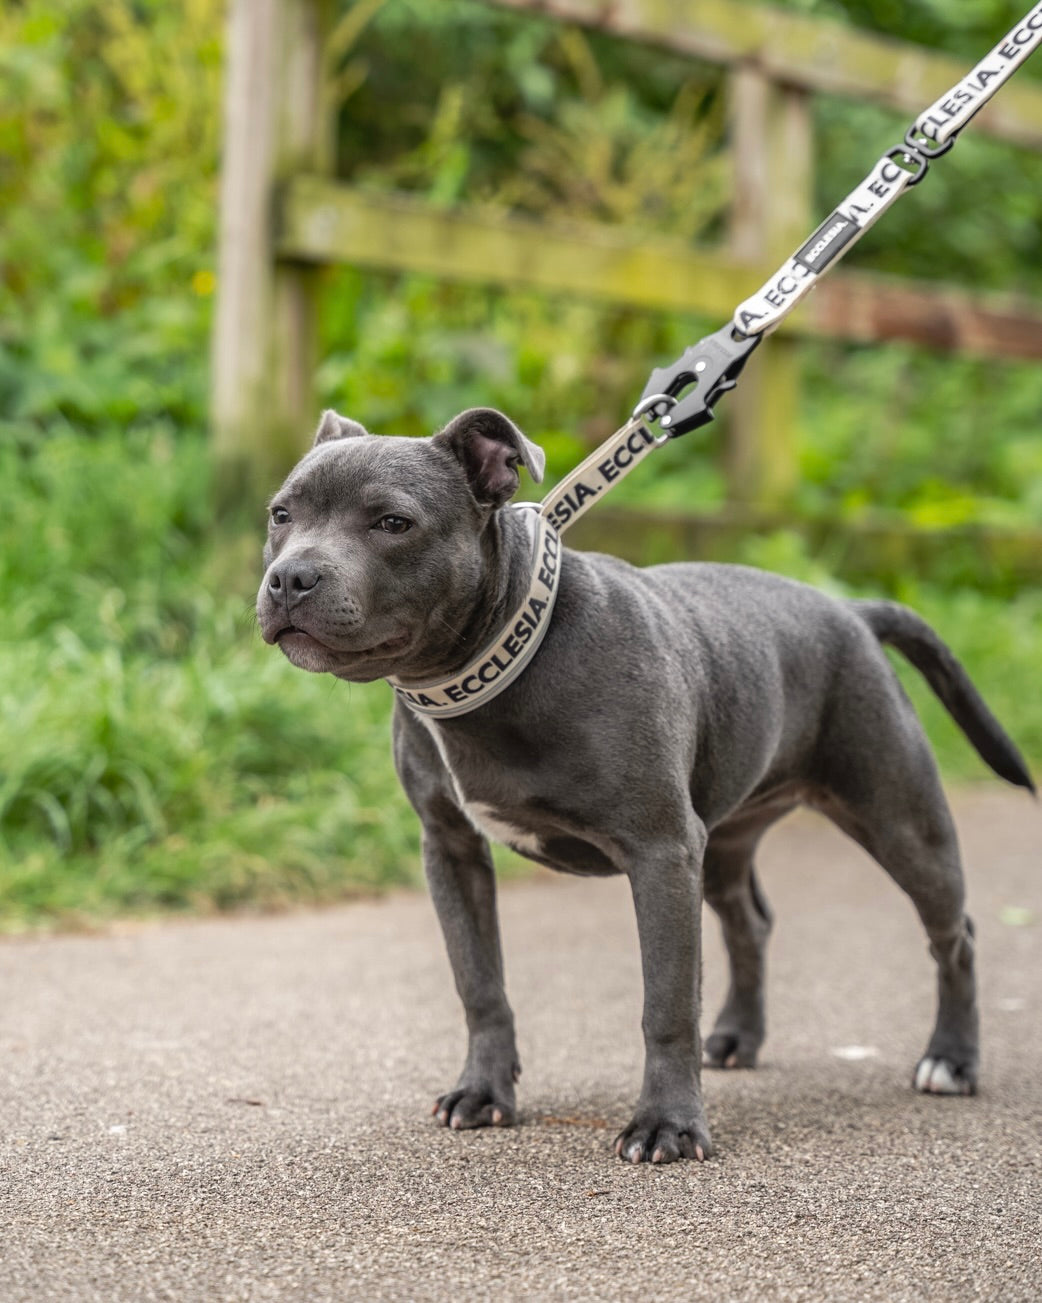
pixel 828 240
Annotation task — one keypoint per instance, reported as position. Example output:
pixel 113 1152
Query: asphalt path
pixel 238 1108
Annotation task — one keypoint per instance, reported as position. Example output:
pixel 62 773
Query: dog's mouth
pixel 291 636
pixel 291 631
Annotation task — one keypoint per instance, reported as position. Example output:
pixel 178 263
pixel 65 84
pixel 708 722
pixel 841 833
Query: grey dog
pixel 669 717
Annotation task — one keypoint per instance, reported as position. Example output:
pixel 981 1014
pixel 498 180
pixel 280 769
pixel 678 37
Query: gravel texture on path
pixel 238 1109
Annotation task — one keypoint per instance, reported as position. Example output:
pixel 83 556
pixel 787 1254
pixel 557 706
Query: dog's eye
pixel 393 524
pixel 279 516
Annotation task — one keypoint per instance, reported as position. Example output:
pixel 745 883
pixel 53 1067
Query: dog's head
pixel 378 546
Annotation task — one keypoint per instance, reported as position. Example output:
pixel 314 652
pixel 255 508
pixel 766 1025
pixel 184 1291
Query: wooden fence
pixel 283 215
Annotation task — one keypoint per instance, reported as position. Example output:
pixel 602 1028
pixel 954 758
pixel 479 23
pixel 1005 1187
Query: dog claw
pixel 661 1143
pixel 464 1109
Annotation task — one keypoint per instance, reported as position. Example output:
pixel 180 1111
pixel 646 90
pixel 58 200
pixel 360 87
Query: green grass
pixel 155 755
pixel 221 778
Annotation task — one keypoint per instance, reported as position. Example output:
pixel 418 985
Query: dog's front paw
pixel 660 1137
pixel 475 1106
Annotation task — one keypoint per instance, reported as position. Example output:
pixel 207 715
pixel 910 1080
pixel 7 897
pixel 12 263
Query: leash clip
pixel 913 160
pixel 653 408
pixel 917 139
pixel 711 366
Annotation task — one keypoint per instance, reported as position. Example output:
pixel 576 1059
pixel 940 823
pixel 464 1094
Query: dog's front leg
pixel 666 881
pixel 462 883
pixel 458 865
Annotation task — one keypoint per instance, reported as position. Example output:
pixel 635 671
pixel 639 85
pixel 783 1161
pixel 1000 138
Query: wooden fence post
pixel 772 151
pixel 263 347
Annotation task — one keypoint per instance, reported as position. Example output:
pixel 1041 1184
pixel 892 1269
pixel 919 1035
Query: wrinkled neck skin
pixel 484 592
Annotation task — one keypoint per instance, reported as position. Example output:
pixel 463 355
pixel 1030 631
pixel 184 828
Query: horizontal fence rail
pixel 323 221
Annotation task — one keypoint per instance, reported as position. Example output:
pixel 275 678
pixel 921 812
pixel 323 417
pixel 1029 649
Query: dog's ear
pixel 490 447
pixel 334 426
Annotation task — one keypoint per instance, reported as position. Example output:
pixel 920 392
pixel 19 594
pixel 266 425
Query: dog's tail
pixel 902 629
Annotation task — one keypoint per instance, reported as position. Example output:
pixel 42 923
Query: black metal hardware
pixel 922 144
pixel 905 154
pixel 712 366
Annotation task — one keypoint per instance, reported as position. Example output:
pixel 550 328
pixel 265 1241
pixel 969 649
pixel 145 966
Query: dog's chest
pixel 496 809
pixel 498 828
pixel 487 815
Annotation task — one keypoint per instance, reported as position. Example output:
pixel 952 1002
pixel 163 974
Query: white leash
pixel 601 471
pixel 947 116
pixel 681 397
pixel 931 135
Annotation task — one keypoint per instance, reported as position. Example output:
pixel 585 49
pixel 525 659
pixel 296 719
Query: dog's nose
pixel 292 581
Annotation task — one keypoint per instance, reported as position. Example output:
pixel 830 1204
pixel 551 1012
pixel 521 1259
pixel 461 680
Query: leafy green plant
pixel 109 133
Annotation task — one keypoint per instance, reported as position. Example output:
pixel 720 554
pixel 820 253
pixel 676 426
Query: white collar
pixel 502 660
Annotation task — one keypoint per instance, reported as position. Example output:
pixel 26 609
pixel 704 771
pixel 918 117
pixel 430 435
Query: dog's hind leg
pixel 733 892
pixel 887 795
pixel 921 854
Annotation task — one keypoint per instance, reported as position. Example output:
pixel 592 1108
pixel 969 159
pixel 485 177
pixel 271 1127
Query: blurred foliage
pixel 545 119
pixel 944 441
pixel 108 160
pixel 153 753
pixel 512 111
pixel 109 131
pixel 968 29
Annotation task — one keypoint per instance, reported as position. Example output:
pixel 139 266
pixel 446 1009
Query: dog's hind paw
pixel 730 1050
pixel 939 1076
